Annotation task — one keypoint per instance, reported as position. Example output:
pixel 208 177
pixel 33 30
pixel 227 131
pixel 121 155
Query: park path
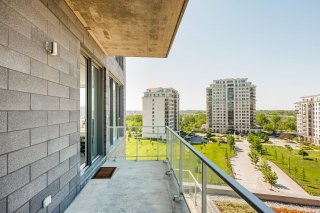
pixel 251 178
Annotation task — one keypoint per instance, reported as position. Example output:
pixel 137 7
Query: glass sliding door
pixel 83 111
pixel 116 109
pixel 91 115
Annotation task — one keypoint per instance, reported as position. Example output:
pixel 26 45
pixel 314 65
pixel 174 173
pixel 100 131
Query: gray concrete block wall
pixel 39 103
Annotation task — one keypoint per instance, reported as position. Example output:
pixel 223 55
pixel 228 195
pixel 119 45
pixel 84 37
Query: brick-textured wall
pixel 39 103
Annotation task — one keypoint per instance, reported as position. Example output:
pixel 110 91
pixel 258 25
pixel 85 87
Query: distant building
pixel 160 109
pixel 308 118
pixel 132 112
pixel 231 105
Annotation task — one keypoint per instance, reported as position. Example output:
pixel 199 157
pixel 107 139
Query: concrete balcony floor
pixel 136 186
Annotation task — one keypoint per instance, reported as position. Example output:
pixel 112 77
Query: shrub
pixel 303 153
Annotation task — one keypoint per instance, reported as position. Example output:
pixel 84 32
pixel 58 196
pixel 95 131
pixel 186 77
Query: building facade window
pixel 116 95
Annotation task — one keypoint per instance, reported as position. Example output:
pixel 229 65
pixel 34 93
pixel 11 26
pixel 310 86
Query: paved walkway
pixel 251 178
pixel 141 187
pixel 283 143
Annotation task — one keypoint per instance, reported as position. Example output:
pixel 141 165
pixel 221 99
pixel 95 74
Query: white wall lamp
pixel 52 47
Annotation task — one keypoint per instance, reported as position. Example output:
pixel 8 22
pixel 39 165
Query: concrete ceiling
pixel 138 28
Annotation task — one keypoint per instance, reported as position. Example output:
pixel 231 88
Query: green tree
pixel 262 136
pixel 192 122
pixel 270 177
pixel 254 157
pixel 250 137
pixel 209 133
pixel 275 120
pixel 269 127
pixel 303 153
pixel 264 166
pixel 231 141
pixel 289 124
pixel 262 119
pixel 133 120
pixel 256 144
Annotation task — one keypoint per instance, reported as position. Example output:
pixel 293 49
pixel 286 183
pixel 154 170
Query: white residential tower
pixel 160 109
pixel 308 118
pixel 231 105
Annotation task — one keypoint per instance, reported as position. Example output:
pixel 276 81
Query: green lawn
pixel 311 165
pixel 148 149
pixel 216 154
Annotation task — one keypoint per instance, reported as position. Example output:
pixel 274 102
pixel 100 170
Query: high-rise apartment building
pixel 160 108
pixel 231 105
pixel 308 118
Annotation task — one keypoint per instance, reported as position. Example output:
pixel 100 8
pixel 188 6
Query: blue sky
pixel 274 43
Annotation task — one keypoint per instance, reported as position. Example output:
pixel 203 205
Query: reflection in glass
pixel 114 116
pixel 83 111
pixel 94 118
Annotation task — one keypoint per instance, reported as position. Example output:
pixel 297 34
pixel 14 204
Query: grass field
pixel 311 166
pixel 149 149
pixel 216 154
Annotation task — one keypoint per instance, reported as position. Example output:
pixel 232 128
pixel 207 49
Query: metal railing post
pixel 167 142
pixel 117 128
pixel 137 149
pixel 195 193
pixel 204 188
pixel 180 169
pixel 172 151
pixel 157 143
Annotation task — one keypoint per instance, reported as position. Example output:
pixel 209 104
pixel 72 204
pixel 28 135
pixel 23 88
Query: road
pixel 250 177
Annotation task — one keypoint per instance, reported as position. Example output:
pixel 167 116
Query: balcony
pixel 161 172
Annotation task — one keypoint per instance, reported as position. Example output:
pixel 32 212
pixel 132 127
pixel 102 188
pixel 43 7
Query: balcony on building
pixel 162 173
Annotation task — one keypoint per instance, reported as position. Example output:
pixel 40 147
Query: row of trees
pixel 193 122
pixel 256 141
pixel 256 149
pixel 276 122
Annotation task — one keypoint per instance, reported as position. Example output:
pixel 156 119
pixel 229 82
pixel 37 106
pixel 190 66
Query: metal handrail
pixel 250 198
pixel 132 126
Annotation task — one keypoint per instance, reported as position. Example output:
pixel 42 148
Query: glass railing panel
pixel 222 198
pixel 205 186
pixel 146 143
pixel 162 143
pixel 133 136
pixel 169 137
pixel 192 179
pixel 176 157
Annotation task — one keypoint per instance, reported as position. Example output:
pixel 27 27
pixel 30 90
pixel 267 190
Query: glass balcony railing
pixel 202 184
pixel 205 186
